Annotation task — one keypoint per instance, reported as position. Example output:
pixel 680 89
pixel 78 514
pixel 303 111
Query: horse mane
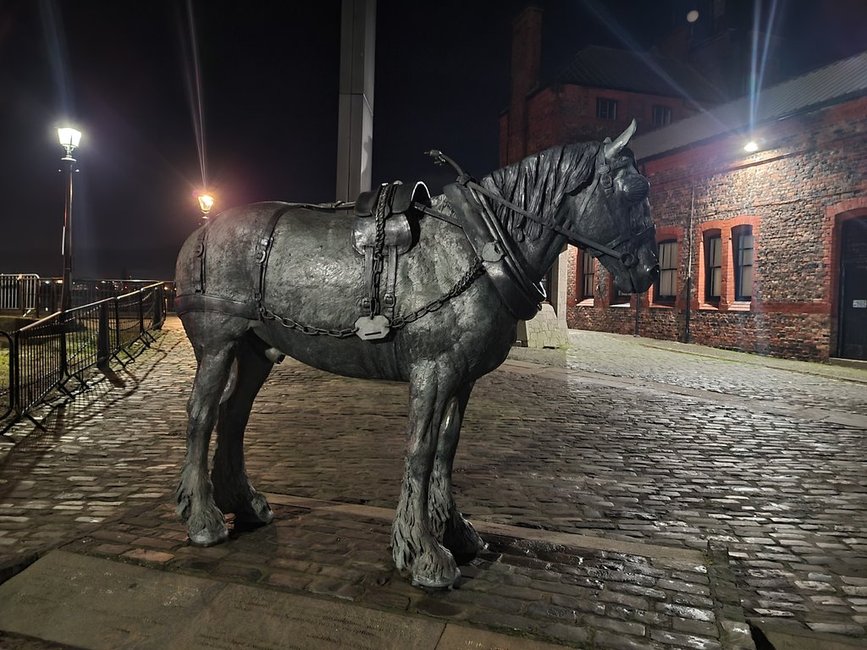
pixel 538 184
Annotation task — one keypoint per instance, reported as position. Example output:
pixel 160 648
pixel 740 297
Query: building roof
pixel 831 84
pixel 641 72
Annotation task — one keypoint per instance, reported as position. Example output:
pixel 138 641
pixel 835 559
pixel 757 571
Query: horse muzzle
pixel 642 276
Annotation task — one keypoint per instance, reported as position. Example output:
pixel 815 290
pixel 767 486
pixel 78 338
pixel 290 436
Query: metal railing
pixel 29 295
pixel 19 292
pixel 53 354
pixel 5 376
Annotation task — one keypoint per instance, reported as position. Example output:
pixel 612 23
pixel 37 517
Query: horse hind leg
pixel 214 353
pixel 233 492
pixel 447 523
pixel 414 548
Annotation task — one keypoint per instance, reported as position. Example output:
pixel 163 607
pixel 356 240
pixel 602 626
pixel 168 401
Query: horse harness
pixel 382 233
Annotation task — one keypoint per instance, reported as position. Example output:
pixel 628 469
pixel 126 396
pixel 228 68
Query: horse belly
pixel 349 356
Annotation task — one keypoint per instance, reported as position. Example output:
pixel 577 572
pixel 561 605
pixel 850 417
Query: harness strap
pixel 263 252
pixel 602 177
pixel 390 298
pixel 200 253
pixel 568 232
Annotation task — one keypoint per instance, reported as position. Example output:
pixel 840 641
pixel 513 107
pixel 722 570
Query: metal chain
pixel 460 286
pixel 288 323
pixel 379 245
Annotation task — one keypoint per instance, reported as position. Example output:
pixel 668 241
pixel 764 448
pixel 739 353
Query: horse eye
pixel 636 189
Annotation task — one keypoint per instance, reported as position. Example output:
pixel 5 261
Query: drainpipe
pixel 689 246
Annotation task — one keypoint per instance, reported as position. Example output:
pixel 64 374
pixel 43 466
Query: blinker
pixel 629 260
pixel 636 189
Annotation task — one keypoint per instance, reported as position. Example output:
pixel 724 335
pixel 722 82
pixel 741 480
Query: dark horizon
pixel 269 80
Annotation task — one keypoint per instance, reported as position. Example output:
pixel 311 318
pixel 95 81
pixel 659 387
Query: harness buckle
pixel 605 179
pixel 492 252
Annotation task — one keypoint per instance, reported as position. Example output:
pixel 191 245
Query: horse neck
pixel 537 255
pixel 541 253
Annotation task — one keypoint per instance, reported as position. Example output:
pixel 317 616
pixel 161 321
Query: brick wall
pixel 810 173
pixel 557 115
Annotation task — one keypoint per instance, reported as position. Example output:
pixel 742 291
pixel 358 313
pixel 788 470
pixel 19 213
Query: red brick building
pixel 763 251
pixel 596 95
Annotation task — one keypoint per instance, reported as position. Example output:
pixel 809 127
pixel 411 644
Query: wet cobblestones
pixel 574 450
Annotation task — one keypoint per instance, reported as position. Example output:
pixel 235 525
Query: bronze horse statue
pixel 431 298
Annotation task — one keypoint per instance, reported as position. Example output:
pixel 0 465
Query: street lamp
pixel 69 139
pixel 206 202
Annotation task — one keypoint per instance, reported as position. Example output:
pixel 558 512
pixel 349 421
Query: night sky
pixel 121 71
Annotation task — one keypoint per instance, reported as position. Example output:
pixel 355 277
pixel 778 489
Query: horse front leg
pixel 205 522
pixel 233 492
pixel 414 548
pixel 447 523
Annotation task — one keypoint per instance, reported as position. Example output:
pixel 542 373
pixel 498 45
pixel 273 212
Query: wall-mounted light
pixel 751 147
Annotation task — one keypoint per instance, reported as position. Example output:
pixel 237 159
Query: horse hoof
pixel 261 510
pixel 435 570
pixel 206 537
pixel 463 541
pixel 255 513
pixel 437 581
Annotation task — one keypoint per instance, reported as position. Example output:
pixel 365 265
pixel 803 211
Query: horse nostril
pixel 654 270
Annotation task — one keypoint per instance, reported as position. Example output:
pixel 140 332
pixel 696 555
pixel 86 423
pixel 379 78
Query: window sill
pixel 707 307
pixel 741 306
pixel 587 302
pixel 621 305
pixel 662 305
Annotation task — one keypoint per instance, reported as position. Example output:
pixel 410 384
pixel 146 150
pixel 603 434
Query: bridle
pixel 601 177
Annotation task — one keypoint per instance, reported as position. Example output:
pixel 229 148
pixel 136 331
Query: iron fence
pixel 29 295
pixel 53 354
pixel 18 292
pixel 5 376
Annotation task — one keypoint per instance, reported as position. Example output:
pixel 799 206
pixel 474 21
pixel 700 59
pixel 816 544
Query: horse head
pixel 611 212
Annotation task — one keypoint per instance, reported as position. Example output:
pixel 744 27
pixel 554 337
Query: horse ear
pixel 613 149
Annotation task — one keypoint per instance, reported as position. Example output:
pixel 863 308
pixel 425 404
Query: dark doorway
pixel 853 289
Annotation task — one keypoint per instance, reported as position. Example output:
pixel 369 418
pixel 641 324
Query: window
pixel 742 249
pixel 713 267
pixel 606 109
pixel 661 115
pixel 588 277
pixel 665 289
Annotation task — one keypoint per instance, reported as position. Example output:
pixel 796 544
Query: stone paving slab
pixel 100 604
pixel 531 588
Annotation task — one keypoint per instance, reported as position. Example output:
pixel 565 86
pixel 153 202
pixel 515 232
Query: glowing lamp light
pixel 206 202
pixel 751 147
pixel 692 16
pixel 69 138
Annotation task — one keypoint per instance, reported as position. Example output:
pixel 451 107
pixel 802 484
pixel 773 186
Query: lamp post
pixel 206 202
pixel 69 139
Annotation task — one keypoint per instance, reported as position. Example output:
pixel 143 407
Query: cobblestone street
pixel 628 440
